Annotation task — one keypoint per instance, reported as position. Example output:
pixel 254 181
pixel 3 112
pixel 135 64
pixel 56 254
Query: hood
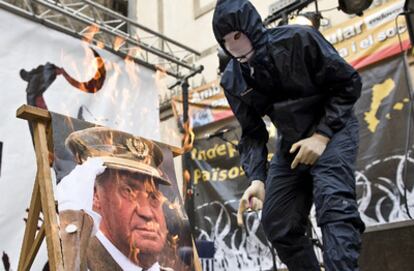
pixel 238 15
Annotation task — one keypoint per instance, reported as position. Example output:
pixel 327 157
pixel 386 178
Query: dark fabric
pixel 334 179
pixel 342 245
pixel 39 80
pixel 238 15
pixel 296 78
pixel 289 195
pixel 252 145
pixel 284 217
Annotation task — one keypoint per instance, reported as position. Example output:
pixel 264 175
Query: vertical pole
pixel 184 86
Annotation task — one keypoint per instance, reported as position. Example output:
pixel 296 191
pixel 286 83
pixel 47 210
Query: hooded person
pixel 296 78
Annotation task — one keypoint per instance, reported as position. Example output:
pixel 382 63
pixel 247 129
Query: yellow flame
pixel 188 137
pixel 133 251
pixel 159 76
pixel 112 82
pixel 187 176
pixel 130 68
pixel 91 32
pixel 100 44
pixel 118 42
pixel 161 72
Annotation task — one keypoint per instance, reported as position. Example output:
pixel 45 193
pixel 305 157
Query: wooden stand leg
pixel 42 200
pixel 31 225
pixel 46 197
pixel 35 248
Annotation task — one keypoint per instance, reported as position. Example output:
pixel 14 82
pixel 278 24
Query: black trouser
pixel 331 185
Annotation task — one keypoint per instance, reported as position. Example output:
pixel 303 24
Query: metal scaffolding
pixel 110 30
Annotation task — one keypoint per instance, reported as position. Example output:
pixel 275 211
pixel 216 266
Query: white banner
pixel 124 96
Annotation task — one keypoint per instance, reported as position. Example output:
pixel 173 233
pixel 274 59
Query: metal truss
pixel 110 30
pixel 284 11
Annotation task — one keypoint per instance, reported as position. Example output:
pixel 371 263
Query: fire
pixel 133 251
pixel 118 42
pixel 111 84
pixel 188 137
pixel 173 241
pixel 174 205
pixel 109 140
pixel 161 72
pixel 91 68
pixel 187 178
pixel 131 70
pixel 100 44
pixel 70 64
pixel 98 64
pixel 92 30
pixel 175 238
pixel 159 76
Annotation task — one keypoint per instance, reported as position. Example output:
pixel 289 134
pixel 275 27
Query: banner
pixel 384 181
pixel 365 40
pixel 49 69
pixel 207 104
pixel 219 182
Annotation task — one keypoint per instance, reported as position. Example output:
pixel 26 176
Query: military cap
pixel 118 150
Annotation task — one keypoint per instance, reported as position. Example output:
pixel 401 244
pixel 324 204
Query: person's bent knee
pixel 336 208
pixel 274 226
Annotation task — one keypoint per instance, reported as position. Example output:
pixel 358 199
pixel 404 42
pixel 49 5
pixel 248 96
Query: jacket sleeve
pixel 333 75
pixel 252 145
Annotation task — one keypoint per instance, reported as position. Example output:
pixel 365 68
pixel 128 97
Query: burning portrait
pixel 124 187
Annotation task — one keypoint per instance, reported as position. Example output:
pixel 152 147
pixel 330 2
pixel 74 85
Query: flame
pixel 109 140
pixel 130 68
pixel 159 76
pixel 175 238
pixel 118 42
pixel 188 137
pixel 174 205
pixel 187 178
pixel 161 72
pixel 134 51
pixel 98 63
pixel 92 30
pixel 112 82
pixel 115 96
pixel 173 242
pixel 97 66
pixel 70 64
pixel 100 44
pixel 133 251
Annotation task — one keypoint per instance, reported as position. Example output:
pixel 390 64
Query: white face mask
pixel 239 46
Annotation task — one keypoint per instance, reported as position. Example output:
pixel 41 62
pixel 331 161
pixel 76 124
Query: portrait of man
pixel 132 217
pixel 123 196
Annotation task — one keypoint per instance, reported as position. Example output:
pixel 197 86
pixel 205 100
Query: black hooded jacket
pixel 295 77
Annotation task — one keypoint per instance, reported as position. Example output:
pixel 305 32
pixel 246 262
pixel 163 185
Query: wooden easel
pixel 43 198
